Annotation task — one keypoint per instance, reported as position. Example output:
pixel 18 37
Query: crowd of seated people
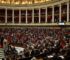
pixel 38 42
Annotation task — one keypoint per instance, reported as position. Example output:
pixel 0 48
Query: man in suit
pixel 1 41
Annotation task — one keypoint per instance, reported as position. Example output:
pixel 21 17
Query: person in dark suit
pixel 27 58
pixel 67 57
pixel 27 55
pixel 1 40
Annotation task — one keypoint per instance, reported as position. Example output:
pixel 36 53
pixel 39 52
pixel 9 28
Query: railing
pixel 34 24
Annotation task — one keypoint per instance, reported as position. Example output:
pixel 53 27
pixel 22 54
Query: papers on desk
pixel 19 49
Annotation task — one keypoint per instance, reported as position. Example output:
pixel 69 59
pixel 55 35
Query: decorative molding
pixel 43 5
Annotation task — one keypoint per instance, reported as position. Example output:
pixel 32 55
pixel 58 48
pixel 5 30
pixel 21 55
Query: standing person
pixel 5 44
pixel 1 41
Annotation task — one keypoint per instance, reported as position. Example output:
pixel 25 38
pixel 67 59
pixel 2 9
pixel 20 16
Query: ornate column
pixel 39 15
pixel 26 16
pixel 46 16
pixel 32 15
pixel 52 14
pixel 67 11
pixel 60 13
pixel 19 16
pixel 13 16
pixel 5 15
